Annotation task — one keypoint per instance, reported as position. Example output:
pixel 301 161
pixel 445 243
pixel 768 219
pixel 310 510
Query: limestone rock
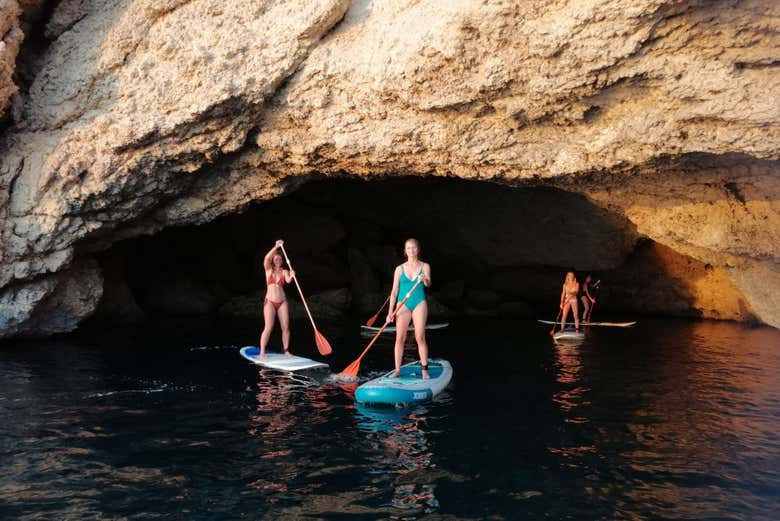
pixel 11 37
pixel 147 114
pixel 53 305
pixel 244 306
pixel 328 305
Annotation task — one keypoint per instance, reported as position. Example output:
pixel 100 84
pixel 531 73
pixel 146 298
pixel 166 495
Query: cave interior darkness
pixel 494 251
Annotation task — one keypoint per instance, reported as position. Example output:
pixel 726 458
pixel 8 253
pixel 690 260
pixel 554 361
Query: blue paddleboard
pixel 409 386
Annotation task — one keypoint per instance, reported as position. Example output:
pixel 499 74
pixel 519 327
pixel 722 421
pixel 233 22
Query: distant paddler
pixel 589 291
pixel 569 292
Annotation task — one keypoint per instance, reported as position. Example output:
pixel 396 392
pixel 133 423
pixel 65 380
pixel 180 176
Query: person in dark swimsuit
pixel 415 309
pixel 275 301
pixel 588 296
pixel 569 300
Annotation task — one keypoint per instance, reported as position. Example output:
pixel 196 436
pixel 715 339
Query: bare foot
pixel 425 374
pixel 287 353
pixel 395 374
pixel 262 354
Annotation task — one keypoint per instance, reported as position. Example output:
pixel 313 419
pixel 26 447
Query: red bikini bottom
pixel 276 305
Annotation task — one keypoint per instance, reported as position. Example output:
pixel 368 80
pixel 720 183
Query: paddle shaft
pixel 371 320
pixel 560 310
pixel 300 292
pixel 408 294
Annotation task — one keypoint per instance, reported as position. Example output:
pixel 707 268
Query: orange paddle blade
pixel 323 346
pixel 552 331
pixel 351 371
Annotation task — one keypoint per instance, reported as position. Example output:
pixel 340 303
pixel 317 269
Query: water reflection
pixel 671 419
pixel 288 410
pixel 401 451
pixel 568 374
pixel 700 420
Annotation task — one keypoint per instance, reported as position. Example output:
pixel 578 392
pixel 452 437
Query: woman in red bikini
pixel 275 302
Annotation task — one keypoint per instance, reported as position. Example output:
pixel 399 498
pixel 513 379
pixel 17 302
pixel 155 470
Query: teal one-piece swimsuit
pixel 404 285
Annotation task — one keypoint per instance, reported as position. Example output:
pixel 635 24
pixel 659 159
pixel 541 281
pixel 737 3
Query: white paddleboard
pixel 568 335
pixel 605 324
pixel 280 361
pixel 392 329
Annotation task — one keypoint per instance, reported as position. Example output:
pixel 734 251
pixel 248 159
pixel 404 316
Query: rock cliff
pixel 146 114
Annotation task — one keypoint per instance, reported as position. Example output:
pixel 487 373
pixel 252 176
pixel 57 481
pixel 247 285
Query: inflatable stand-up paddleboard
pixel 409 387
pixel 391 329
pixel 605 324
pixel 280 361
pixel 569 335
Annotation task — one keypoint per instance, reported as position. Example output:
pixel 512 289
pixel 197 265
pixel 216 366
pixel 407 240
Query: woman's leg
pixel 585 307
pixel 590 311
pixel 420 318
pixel 269 315
pixel 284 322
pixel 565 314
pixel 402 318
pixel 575 311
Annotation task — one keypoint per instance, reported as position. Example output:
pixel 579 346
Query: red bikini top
pixel 278 282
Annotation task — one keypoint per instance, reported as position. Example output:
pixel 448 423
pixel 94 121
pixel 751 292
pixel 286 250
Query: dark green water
pixel 668 420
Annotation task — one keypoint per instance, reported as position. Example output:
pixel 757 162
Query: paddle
pixel 323 346
pixel 552 331
pixel 352 369
pixel 370 321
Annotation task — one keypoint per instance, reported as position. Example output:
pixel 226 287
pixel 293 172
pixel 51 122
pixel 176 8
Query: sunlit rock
pixel 659 118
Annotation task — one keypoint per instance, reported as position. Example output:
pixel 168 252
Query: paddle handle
pixel 300 292
pixel 408 294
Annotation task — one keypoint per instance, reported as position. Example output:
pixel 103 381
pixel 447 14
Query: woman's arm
pixel 270 255
pixel 393 293
pixel 289 275
pixel 426 279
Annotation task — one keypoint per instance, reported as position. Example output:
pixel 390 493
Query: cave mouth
pixel 494 251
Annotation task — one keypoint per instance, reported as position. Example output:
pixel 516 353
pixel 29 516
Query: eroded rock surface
pixel 11 37
pixel 147 114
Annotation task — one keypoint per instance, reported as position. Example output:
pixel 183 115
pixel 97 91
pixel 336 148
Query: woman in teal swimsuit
pixel 415 309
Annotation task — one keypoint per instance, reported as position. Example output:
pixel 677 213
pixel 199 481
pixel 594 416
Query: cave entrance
pixel 494 251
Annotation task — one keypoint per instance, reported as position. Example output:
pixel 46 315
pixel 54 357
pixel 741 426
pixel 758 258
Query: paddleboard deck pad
pixel 568 335
pixel 606 324
pixel 280 361
pixel 409 387
pixel 392 329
